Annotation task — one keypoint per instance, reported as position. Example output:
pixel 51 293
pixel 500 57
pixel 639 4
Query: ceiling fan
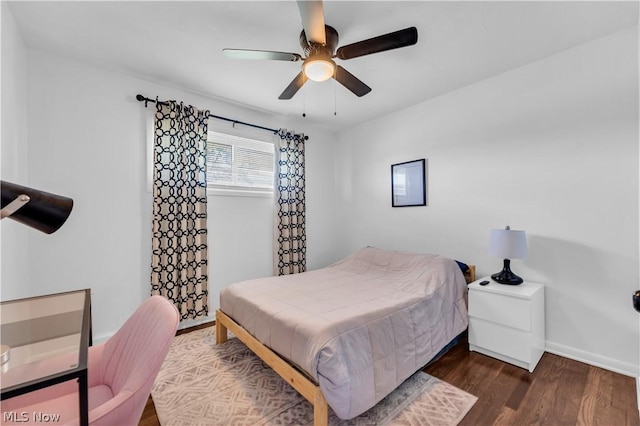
pixel 319 42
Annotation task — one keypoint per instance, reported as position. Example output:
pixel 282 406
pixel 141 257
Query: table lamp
pixel 37 209
pixel 507 244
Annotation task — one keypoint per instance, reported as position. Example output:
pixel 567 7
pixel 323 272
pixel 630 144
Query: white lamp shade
pixel 508 244
pixel 319 69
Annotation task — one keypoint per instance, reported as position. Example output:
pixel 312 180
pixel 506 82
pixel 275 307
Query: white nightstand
pixel 507 321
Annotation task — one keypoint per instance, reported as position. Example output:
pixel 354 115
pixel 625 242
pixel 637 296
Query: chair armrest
pixel 119 410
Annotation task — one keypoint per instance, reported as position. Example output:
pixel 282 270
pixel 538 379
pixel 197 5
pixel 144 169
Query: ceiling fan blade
pixel 293 87
pixel 312 14
pixel 260 54
pixel 351 82
pixel 394 40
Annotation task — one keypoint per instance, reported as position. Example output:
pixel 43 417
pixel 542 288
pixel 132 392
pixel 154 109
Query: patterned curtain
pixel 179 241
pixel 290 238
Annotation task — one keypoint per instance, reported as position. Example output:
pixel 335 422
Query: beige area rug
pixel 202 383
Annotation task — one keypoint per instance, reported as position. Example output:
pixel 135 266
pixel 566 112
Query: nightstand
pixel 507 321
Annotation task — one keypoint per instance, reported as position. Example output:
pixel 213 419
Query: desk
pixel 48 337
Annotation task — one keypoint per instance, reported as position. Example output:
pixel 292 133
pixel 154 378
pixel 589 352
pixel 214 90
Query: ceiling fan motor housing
pixel 328 49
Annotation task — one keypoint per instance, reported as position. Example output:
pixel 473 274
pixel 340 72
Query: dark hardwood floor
pixel 559 392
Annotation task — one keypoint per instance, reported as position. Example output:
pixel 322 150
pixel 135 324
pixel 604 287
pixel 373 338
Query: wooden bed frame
pixel 300 382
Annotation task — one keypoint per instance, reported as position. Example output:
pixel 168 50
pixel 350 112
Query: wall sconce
pixel 37 209
pixel 507 244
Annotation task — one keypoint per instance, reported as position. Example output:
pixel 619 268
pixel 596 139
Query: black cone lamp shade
pixel 37 209
pixel 507 244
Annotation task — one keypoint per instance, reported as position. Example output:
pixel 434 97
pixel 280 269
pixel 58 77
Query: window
pixel 239 164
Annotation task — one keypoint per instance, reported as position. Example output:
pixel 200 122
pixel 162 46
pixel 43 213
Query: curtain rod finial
pixel 141 98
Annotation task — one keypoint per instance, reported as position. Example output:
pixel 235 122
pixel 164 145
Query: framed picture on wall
pixel 409 184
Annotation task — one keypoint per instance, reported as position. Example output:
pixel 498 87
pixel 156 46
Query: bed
pixel 347 335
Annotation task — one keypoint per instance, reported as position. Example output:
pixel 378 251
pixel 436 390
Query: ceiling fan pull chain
pixel 304 102
pixel 335 102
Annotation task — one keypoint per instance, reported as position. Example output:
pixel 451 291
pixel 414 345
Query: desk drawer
pixel 503 340
pixel 500 309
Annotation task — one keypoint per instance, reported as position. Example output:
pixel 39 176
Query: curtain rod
pixel 146 100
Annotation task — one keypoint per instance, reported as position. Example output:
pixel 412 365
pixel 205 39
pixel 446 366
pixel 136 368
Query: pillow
pixel 463 266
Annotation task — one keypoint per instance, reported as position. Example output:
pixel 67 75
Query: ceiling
pixel 180 44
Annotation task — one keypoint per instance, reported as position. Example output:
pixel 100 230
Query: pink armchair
pixel 121 372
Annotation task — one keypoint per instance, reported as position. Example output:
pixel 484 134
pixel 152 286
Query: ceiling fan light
pixel 319 69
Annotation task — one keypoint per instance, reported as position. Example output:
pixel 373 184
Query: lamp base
pixel 506 276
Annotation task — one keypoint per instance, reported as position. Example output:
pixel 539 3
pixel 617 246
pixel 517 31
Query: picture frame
pixel 409 184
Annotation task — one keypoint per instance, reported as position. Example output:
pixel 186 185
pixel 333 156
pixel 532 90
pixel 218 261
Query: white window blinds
pixel 239 163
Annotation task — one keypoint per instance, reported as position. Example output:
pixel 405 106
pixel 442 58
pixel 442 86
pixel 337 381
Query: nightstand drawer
pixel 503 340
pixel 500 309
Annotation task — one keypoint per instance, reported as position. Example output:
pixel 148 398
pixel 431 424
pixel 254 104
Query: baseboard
pixel 183 324
pixel 628 369
pixel 192 323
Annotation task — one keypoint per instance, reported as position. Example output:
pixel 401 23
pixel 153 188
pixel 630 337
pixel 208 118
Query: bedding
pixel 358 327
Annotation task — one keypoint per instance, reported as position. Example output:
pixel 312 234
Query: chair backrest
pixel 133 356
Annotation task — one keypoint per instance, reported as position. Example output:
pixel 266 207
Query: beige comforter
pixel 359 327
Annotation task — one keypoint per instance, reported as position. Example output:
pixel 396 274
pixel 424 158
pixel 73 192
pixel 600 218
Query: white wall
pixel 87 140
pixel 551 148
pixel 13 122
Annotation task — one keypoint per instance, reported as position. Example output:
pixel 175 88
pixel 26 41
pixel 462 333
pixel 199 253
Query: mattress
pixel 358 327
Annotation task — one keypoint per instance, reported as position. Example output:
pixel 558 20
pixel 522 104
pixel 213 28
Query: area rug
pixel 202 383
